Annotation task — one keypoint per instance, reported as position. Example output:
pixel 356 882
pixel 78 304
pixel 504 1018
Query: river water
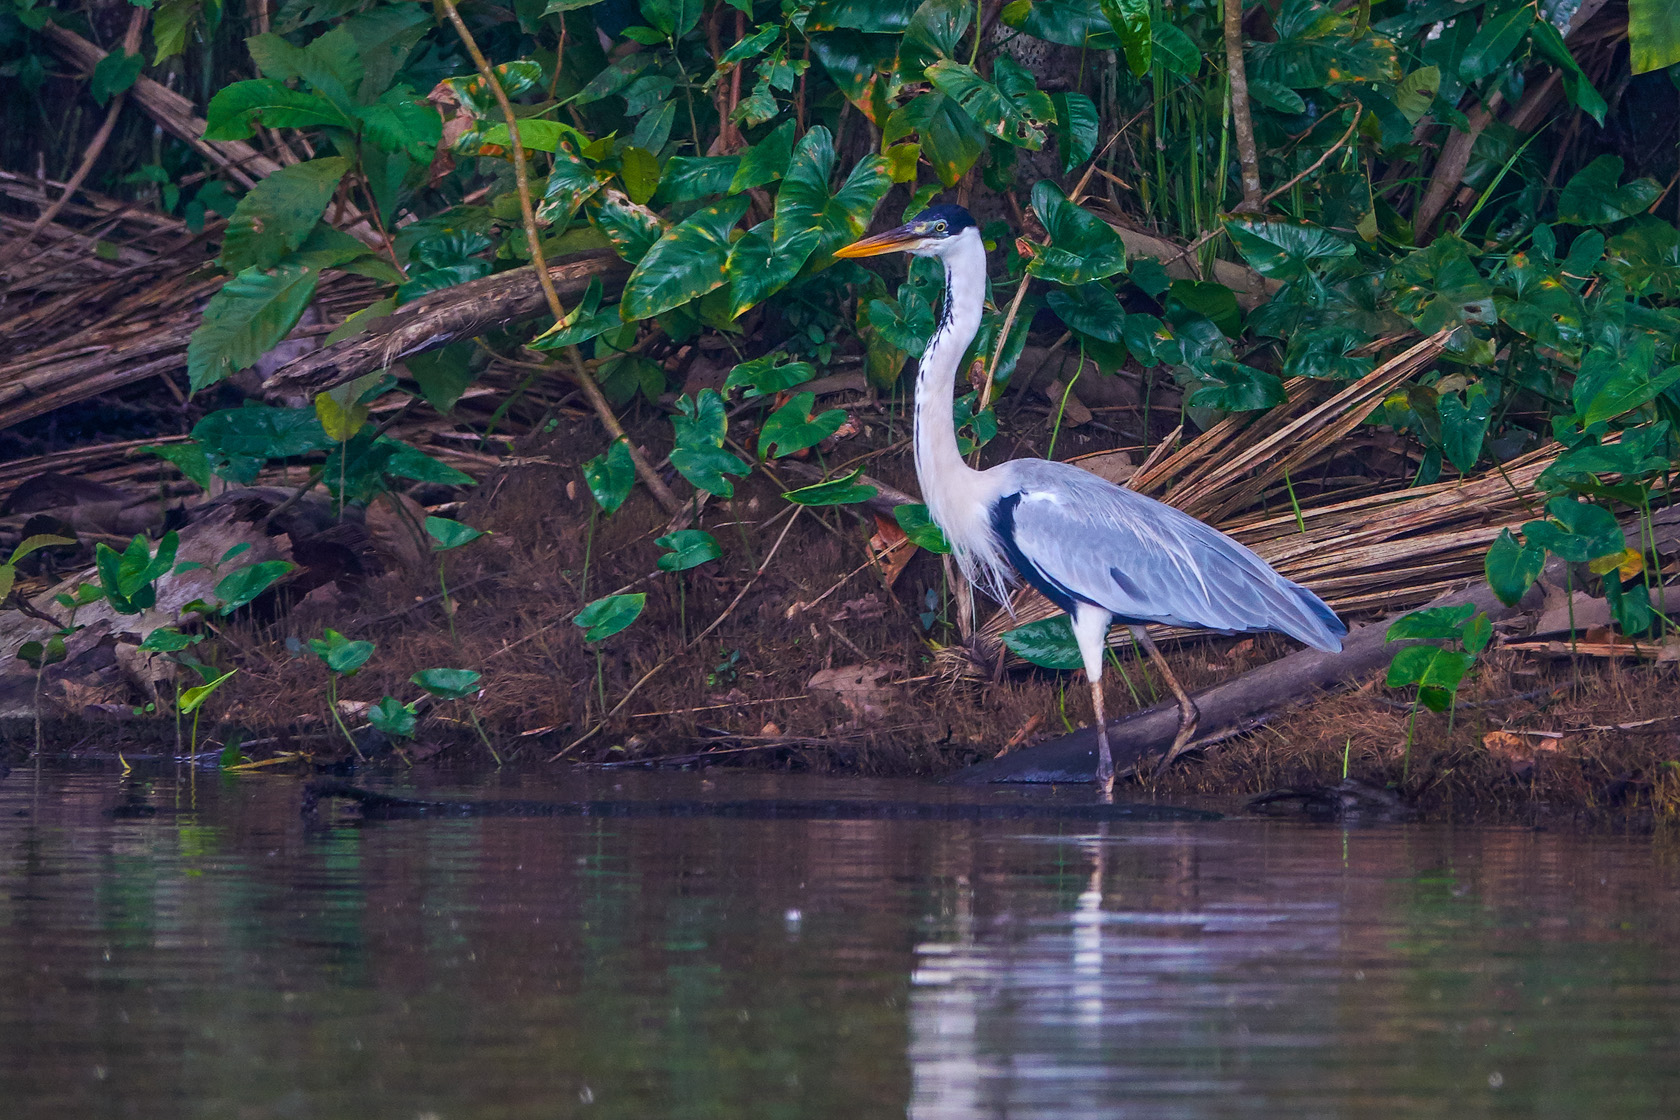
pixel 183 946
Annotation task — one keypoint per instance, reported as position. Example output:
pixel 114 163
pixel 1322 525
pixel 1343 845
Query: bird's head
pixel 931 233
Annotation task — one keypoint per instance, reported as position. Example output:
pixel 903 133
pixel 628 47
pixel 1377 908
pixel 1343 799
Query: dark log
pixel 1249 700
pixel 439 318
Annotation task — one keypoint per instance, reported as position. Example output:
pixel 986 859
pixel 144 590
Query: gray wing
pixel 1145 561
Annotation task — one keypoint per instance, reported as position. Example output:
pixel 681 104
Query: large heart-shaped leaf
pixel 1091 309
pixel 685 264
pixel 793 428
pixel 951 140
pixel 805 202
pixel 1511 568
pixel 1082 246
pixel 759 266
pixel 768 375
pixel 1596 195
pixel 1282 249
pixel 611 475
pixel 1012 119
pixel 843 491
pixel 448 684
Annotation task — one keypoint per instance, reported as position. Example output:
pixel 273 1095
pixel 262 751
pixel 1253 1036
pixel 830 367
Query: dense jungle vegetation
pixel 1389 289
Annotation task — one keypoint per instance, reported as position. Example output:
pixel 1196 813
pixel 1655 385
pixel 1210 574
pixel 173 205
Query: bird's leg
pixel 1188 714
pixel 1105 758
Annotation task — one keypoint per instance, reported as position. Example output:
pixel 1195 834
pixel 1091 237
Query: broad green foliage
pixel 687 548
pixel 1436 670
pixel 340 654
pixel 1048 643
pixel 448 684
pixel 607 616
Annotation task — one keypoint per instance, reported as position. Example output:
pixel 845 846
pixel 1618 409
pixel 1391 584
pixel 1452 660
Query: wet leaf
pixel 764 162
pixel 607 616
pixel 1076 128
pixel 1130 21
pixel 691 178
pixel 805 203
pixel 1011 119
pixel 951 141
pixel 759 266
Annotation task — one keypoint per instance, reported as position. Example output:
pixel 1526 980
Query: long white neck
pixel 938 462
pixel 958 498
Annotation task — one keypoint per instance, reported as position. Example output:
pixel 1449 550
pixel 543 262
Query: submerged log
pixel 1249 700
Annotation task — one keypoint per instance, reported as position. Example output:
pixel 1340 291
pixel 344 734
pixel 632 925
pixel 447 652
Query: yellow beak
pixel 893 241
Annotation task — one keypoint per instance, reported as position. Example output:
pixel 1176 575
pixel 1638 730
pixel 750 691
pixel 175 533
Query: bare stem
pixel 1241 123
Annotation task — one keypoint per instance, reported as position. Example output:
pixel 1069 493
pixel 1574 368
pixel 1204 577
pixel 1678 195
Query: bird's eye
pixel 939 226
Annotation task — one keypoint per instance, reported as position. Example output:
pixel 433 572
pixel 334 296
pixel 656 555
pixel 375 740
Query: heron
pixel 1100 552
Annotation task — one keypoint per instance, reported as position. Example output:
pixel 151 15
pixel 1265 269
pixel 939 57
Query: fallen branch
pixel 439 318
pixel 1262 692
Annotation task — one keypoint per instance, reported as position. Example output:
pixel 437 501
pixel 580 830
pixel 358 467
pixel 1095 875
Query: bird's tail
pixel 1321 629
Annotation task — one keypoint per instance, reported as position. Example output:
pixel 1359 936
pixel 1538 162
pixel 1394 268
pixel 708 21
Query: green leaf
pixel 1416 92
pixel 1629 388
pixel 1176 53
pixel 244 584
pixel 805 204
pixel 1231 386
pixel 639 169
pixel 1592 196
pixel 1653 35
pixel 632 229
pixel 444 374
pixel 235 110
pixel 706 467
pixel 764 162
pixel 1130 21
pixel 450 534
pixel 768 375
pixel 759 266
pixel 340 654
pixel 913 518
pixel 1082 246
pixel 611 475
pixel 673 18
pixel 688 178
pixel 113 74
pixel 1276 96
pixel 1048 643
pixel 1431 623
pixel 189 458
pixel 607 616
pixel 35 543
pixel 261 432
pixel 341 410
pixel 951 141
pixel 752 46
pixel 1576 84
pixel 843 491
pixel 247 318
pixel 193 698
pixel 402 122
pixel 1464 425
pixel 1437 672
pixel 1512 568
pixel 792 428
pixel 1282 249
pixel 570 183
pixel 996 112
pixel 1076 128
pixel 1494 42
pixel 393 717
pixel 686 263
pixel 448 684
pixel 687 548
pixel 1091 309
pixel 168 640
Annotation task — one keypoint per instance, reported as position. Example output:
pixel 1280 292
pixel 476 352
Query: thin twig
pixel 131 46
pixel 1318 163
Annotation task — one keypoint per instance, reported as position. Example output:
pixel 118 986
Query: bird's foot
pixel 1189 718
pixel 1105 767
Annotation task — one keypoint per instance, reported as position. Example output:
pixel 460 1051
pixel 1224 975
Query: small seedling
pixel 343 658
pixel 1435 669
